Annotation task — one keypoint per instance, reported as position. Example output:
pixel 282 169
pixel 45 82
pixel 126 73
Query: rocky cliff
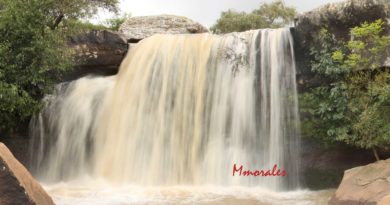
pixel 101 52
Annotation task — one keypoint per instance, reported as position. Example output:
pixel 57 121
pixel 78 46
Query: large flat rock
pixel 140 27
pixel 17 186
pixel 365 185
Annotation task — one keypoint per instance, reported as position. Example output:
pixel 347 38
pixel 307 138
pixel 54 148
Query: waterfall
pixel 182 110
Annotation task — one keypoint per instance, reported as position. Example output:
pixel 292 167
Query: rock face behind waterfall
pixel 365 185
pixel 17 186
pixel 138 28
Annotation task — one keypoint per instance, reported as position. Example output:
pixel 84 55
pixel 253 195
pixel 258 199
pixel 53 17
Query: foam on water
pixel 100 193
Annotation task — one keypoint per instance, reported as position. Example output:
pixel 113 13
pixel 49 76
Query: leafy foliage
pixel 272 15
pixel 33 53
pixel 76 9
pixel 355 106
pixel 114 23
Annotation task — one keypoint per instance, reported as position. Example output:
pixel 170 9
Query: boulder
pixel 17 186
pixel 140 27
pixel 97 52
pixel 365 185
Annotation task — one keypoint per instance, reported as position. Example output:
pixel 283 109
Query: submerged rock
pixel 140 27
pixel 368 184
pixel 17 186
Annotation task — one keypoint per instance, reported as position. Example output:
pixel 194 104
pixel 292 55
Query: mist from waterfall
pixel 182 110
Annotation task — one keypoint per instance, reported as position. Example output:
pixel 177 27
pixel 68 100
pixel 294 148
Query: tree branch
pixel 57 21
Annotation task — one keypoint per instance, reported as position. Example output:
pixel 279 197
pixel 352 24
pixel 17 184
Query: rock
pixel 364 185
pixel 384 201
pixel 339 17
pixel 17 186
pixel 18 144
pixel 322 166
pixel 138 28
pixel 97 52
pixel 101 52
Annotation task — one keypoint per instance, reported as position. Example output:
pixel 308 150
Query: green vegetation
pixel 354 106
pixel 272 15
pixel 114 23
pixel 33 52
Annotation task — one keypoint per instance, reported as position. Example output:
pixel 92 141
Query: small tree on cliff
pixel 272 15
pixel 355 107
pixel 33 52
pixel 368 87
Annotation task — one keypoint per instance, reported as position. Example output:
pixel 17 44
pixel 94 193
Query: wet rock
pixel 17 186
pixel 138 28
pixel 364 185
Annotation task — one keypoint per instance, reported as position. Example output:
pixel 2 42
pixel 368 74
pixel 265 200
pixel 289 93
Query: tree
pixel 115 23
pixel 33 54
pixel 276 14
pixel 272 15
pixel 355 107
pixel 76 9
pixel 368 87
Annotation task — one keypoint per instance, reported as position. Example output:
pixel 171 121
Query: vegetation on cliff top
pixel 355 106
pixel 269 15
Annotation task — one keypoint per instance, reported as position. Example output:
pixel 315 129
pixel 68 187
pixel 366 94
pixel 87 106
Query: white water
pixel 181 111
pixel 100 193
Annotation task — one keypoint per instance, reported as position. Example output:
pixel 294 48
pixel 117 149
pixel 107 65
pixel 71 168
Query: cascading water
pixel 182 110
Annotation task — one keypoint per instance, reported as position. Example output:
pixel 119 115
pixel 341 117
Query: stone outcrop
pixel 101 52
pixel 365 185
pixel 17 186
pixel 339 17
pixel 138 28
pixel 97 52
